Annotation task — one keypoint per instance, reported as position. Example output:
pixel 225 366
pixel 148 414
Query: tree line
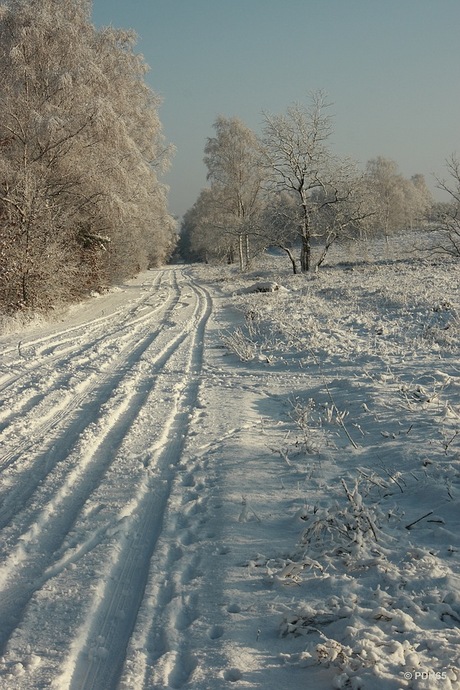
pixel 288 189
pixel 81 153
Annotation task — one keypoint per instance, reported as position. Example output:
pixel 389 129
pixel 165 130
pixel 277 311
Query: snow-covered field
pixel 205 488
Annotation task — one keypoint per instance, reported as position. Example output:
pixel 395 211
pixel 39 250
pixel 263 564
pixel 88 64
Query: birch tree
pixel 302 164
pixel 203 237
pixel 386 184
pixel 420 201
pixel 299 160
pixel 233 159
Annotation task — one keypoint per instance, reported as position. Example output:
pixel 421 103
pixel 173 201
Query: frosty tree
pixel 301 163
pixel 233 159
pixel 449 221
pixel 399 203
pixel 81 145
pixel 202 235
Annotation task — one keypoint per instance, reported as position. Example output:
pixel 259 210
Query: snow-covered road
pixel 118 430
pixel 94 419
pixel 174 517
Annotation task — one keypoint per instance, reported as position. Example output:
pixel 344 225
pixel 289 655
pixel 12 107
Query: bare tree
pixel 296 145
pixel 338 215
pixel 280 219
pixel 302 164
pixel 343 211
pixel 448 221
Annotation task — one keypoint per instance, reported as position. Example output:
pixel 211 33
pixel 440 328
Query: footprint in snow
pixel 187 538
pixel 233 608
pixel 188 480
pixel 215 632
pixel 233 674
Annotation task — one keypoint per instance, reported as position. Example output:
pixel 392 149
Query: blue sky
pixel 390 67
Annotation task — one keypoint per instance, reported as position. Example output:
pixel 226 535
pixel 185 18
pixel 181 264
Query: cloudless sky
pixel 391 68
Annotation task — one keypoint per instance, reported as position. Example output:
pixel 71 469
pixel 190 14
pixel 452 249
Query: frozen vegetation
pixel 207 487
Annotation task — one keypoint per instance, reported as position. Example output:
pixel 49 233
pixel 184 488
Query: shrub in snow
pixel 373 647
pixel 238 343
pixel 338 528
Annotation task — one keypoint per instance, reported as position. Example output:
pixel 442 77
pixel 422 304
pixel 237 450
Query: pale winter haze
pixel 390 68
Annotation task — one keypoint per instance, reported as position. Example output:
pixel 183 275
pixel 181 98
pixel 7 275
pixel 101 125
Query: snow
pixel 205 487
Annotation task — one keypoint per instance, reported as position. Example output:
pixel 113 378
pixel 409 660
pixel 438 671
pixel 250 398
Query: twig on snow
pixel 419 519
pixel 391 477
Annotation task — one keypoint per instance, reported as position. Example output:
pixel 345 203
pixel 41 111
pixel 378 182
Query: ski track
pixel 57 358
pixel 129 573
pixel 24 358
pixel 65 469
pixel 67 428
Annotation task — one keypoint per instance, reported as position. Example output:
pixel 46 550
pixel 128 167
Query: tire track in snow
pixel 36 557
pixel 99 342
pixel 45 345
pixel 90 343
pixel 85 404
pixel 96 659
pixel 29 563
pixel 62 408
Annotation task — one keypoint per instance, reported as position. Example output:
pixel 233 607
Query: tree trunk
pixel 329 242
pixel 292 259
pixel 305 252
pixel 247 248
pixel 25 296
pixel 240 251
pixel 305 255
